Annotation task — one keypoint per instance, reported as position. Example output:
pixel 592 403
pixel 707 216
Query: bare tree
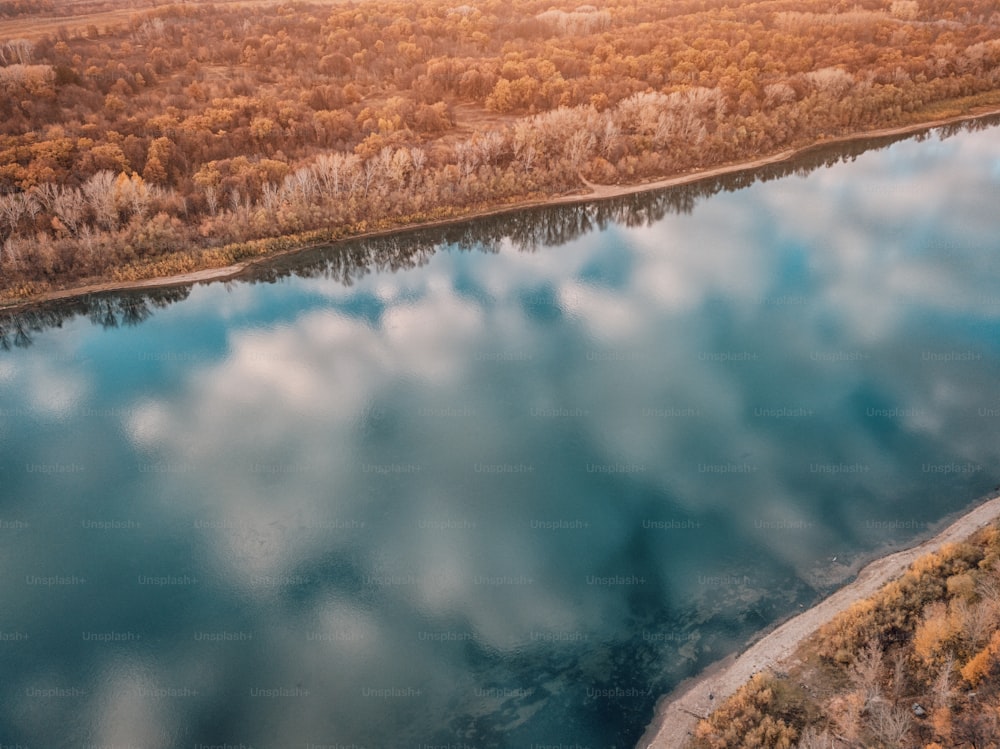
pixel 551 128
pixel 46 194
pixel 131 195
pixel 900 674
pixel 306 183
pixel 418 157
pixel 384 159
pixel 18 49
pixel 328 169
pixel 300 187
pixel 13 208
pixel 528 157
pixel 664 130
pixel 235 199
pixel 211 199
pixel 778 93
pixel 370 171
pixel 400 166
pixel 890 724
pixel 610 137
pixel 99 192
pixel 32 208
pixel 466 158
pixel 846 712
pixel 943 684
pixel 979 621
pixel 988 586
pixel 87 238
pixel 355 176
pixel 69 206
pixel 866 673
pixel 269 197
pixel 584 20
pixel 813 739
pixel 151 30
pixel 9 255
pixel 640 112
pixel 579 148
pixel 488 147
pixel 832 81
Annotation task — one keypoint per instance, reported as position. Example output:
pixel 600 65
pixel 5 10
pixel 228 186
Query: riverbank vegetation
pixel 138 147
pixel 915 665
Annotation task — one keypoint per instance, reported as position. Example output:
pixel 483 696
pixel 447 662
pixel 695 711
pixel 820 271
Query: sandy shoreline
pixel 677 713
pixel 594 192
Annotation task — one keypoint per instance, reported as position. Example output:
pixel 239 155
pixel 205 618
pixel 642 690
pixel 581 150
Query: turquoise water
pixel 495 485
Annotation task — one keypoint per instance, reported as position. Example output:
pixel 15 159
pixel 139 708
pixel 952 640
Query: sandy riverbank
pixel 677 713
pixel 593 192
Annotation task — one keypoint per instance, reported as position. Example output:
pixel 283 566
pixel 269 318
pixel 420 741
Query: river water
pixel 499 484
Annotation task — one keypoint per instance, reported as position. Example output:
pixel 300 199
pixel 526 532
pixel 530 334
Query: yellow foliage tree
pixel 937 630
pixel 980 665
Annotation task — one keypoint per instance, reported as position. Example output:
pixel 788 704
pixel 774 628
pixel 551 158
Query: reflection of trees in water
pixel 526 230
pixel 111 310
pixel 969 126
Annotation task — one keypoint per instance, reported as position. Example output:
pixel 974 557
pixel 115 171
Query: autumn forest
pixel 159 140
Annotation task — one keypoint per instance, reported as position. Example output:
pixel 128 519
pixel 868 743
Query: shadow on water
pixel 527 230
